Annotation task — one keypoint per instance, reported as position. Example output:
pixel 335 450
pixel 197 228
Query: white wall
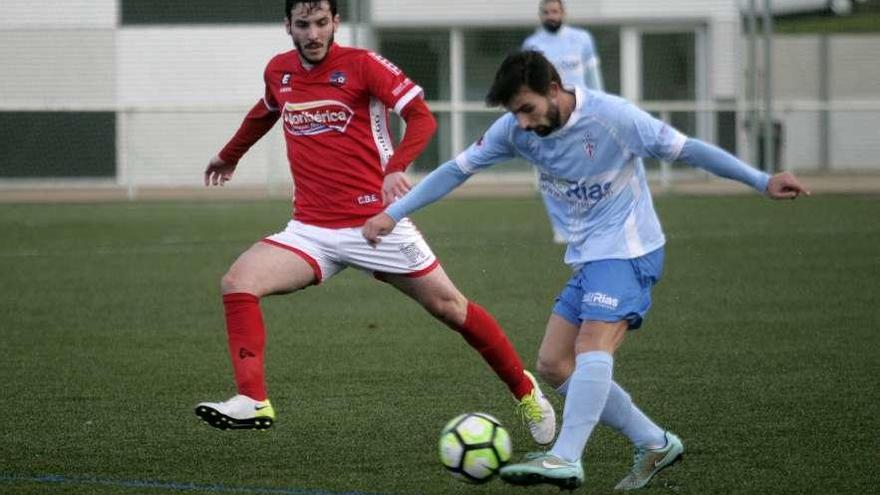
pixel 49 15
pixel 469 12
pixel 855 66
pixel 65 69
pixel 189 65
pixel 852 75
pixel 855 139
pixel 183 91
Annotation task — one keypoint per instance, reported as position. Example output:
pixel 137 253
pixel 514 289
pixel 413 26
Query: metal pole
pixel 769 158
pixel 824 97
pixel 752 84
pixel 456 74
pixel 354 19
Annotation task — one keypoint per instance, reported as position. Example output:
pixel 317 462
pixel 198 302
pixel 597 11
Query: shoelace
pixel 530 410
pixel 637 459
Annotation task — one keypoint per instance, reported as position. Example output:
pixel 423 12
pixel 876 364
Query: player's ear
pixel 287 26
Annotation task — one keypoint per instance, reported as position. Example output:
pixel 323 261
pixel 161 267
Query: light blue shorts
pixel 611 290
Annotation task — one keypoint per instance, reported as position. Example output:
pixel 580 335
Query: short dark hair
pixel 313 4
pixel 545 2
pixel 526 68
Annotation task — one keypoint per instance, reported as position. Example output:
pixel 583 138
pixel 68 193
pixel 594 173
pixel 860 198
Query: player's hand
pixel 376 227
pixel 395 185
pixel 784 185
pixel 218 172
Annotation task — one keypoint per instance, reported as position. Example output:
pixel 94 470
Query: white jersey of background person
pixel 573 53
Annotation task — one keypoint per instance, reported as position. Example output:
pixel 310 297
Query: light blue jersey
pixel 591 173
pixel 572 52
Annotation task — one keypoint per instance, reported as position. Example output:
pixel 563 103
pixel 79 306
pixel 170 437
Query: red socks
pixel 247 340
pixel 485 335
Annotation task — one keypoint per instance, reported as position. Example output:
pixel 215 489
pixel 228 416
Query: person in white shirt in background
pixel 573 52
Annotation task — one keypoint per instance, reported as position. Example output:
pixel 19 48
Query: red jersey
pixel 335 119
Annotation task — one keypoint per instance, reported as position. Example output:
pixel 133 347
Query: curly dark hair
pixel 313 4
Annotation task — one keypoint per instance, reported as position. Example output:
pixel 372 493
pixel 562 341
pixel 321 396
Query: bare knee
pixel 235 280
pixel 450 309
pixel 553 371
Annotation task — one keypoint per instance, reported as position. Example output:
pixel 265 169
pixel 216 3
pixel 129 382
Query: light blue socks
pixel 587 393
pixel 621 414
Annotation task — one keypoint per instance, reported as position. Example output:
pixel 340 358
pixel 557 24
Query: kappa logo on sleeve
pixel 386 63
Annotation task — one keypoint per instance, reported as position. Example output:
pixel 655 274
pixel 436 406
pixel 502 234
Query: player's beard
pixel 552 26
pixel 302 53
pixel 554 121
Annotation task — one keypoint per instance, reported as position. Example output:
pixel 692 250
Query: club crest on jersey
pixel 590 145
pixel 285 79
pixel 338 78
pixel 315 117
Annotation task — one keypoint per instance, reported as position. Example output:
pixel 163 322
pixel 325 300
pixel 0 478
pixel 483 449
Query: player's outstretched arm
pixel 436 185
pixel 218 172
pixel 713 159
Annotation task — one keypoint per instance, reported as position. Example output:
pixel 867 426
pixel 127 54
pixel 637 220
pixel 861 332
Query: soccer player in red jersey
pixel 333 102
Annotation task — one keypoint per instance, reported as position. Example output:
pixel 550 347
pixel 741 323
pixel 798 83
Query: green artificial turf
pixel 761 351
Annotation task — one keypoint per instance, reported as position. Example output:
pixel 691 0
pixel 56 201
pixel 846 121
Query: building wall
pixel 181 106
pixel 468 12
pixel 837 95
pixel 720 18
pixel 171 94
pixel 69 68
pixel 52 15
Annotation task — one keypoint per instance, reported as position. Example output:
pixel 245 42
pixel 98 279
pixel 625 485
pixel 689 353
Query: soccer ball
pixel 474 446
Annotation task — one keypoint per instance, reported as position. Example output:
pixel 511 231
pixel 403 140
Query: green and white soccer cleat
pixel 544 468
pixel 238 413
pixel 538 414
pixel 649 462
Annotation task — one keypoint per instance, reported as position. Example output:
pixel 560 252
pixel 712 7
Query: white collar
pixel 580 96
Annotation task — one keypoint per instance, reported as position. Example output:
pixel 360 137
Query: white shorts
pixel 329 251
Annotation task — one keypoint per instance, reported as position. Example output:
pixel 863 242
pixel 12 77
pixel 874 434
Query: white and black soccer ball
pixel 474 446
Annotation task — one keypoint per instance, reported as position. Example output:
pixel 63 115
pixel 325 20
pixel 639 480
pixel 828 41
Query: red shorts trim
pixel 316 268
pixel 421 273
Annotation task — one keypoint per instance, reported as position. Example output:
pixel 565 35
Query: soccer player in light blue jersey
pixel 589 147
pixel 573 53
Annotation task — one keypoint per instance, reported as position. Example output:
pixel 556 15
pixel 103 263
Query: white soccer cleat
pixel 537 412
pixel 238 413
